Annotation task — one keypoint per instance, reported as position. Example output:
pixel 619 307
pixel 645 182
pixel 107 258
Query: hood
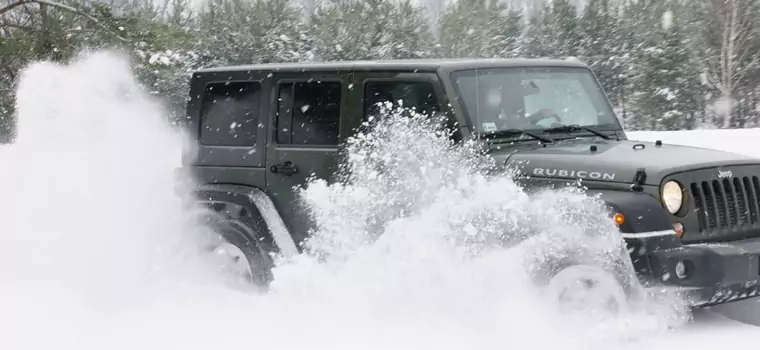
pixel 615 161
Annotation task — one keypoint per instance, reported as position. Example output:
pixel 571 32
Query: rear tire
pixel 238 250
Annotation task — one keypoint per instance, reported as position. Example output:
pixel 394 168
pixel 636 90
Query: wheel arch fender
pixel 647 224
pixel 258 203
pixel 642 212
pixel 647 227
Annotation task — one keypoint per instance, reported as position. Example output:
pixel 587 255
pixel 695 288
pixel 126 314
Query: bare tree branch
pixel 741 74
pixel 13 6
pixel 62 7
pixel 16 26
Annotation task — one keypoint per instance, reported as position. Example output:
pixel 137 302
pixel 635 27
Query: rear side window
pixel 230 114
pixel 308 113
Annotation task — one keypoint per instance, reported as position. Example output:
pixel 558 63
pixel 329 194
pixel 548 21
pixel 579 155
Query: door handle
pixel 287 168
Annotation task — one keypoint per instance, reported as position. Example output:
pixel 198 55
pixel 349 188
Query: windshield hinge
pixel 639 179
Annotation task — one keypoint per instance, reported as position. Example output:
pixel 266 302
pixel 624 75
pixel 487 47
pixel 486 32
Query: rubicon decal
pixel 583 174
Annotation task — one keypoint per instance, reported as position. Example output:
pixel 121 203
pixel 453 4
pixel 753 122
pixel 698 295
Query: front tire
pixel 586 289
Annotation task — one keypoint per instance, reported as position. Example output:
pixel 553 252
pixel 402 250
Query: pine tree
pixel 250 31
pixel 479 28
pixel 603 47
pixel 666 83
pixel 411 32
pixel 163 49
pixel 370 29
pixel 554 32
pixel 536 42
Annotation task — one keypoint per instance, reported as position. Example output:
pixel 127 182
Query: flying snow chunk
pixel 667 20
pixel 723 106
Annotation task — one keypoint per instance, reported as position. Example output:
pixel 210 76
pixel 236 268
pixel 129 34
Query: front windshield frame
pixel 590 84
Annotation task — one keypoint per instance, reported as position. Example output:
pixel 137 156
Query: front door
pixel 306 130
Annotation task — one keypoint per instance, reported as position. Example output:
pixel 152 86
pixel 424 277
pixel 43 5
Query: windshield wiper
pixel 575 127
pixel 514 132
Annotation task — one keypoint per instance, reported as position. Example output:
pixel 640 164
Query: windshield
pixel 533 98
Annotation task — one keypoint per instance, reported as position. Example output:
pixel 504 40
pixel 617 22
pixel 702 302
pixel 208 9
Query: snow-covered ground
pixel 743 141
pixel 95 252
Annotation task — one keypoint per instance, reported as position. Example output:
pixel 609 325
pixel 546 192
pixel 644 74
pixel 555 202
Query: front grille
pixel 727 203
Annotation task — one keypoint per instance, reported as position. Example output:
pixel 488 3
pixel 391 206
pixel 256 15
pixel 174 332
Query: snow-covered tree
pixel 370 29
pixel 604 48
pixel 479 28
pixel 411 31
pixel 251 31
pixel 666 84
pixel 698 65
pixel 729 45
pixel 555 31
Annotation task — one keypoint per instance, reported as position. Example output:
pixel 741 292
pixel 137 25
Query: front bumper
pixel 715 273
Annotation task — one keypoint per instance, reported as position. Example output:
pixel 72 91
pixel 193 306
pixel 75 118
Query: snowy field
pixel 96 253
pixel 743 141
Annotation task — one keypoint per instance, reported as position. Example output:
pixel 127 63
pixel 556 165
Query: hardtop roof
pixel 399 64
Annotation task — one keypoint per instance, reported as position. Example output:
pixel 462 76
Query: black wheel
pixel 577 281
pixel 238 248
pixel 587 289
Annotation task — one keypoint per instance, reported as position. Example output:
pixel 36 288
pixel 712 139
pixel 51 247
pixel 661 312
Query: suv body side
pixel 275 159
pixel 253 145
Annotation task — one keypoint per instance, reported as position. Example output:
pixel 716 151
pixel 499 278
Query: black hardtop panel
pixel 417 65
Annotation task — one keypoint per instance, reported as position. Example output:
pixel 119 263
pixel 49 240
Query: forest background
pixel 665 64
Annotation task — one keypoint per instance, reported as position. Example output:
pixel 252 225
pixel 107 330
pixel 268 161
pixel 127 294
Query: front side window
pixel 533 98
pixel 416 96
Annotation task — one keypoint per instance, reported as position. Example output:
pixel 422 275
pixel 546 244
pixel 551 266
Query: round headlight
pixel 672 196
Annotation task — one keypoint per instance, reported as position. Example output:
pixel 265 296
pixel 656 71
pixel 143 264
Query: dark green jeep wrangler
pixel 689 216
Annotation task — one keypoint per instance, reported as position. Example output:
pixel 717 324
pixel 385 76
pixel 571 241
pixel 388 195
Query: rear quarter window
pixel 230 114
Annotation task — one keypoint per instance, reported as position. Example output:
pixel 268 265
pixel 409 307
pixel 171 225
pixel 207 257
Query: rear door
pixel 227 114
pixel 306 126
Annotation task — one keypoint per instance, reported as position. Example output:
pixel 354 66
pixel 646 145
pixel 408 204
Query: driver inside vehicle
pixel 505 105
